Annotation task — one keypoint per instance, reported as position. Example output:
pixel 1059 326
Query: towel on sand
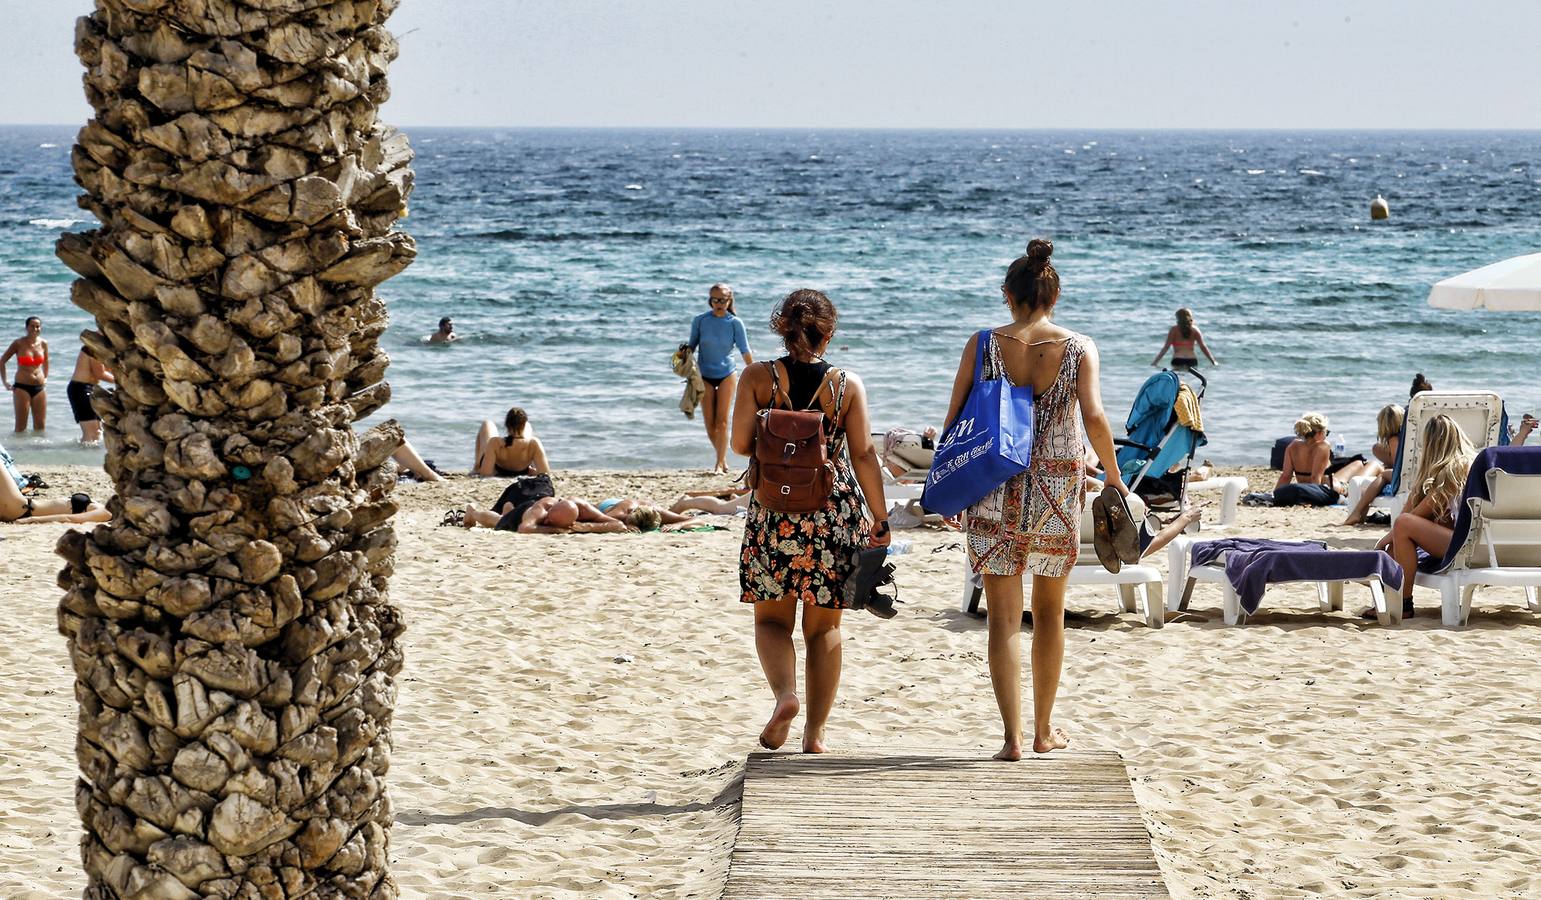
pixel 1252 564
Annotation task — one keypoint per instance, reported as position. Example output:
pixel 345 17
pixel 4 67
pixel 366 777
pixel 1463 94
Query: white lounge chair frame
pixel 1329 593
pixel 1231 488
pixel 1139 586
pixel 1478 414
pixel 1506 535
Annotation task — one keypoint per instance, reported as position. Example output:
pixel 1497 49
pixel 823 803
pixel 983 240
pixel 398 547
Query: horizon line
pixel 942 128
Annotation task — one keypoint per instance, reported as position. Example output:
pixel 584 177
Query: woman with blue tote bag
pixel 1032 522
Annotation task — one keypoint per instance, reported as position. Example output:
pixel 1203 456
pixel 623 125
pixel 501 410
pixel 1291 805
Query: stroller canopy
pixel 1157 440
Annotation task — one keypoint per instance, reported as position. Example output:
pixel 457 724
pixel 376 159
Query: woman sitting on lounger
pixel 1388 441
pixel 1427 521
pixel 518 453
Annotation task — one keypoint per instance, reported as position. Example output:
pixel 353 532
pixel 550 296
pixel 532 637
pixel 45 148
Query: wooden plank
pixel 927 824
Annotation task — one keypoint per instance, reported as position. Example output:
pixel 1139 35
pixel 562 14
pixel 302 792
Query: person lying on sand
pixel 718 503
pixel 77 509
pixel 545 515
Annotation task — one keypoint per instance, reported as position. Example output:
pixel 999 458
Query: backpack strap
pixel 775 374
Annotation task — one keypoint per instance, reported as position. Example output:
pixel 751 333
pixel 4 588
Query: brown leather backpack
pixel 791 471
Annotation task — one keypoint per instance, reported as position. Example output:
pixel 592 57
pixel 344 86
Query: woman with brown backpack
pixel 804 423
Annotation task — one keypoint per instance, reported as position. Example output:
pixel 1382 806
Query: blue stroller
pixel 1154 460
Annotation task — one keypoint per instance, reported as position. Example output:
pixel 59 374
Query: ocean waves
pixel 573 262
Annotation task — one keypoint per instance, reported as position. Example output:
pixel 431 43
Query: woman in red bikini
pixel 27 391
pixel 1182 338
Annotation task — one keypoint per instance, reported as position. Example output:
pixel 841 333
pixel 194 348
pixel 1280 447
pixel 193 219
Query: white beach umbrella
pixel 1513 285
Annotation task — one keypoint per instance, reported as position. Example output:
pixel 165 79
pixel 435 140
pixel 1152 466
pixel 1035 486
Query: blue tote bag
pixel 989 442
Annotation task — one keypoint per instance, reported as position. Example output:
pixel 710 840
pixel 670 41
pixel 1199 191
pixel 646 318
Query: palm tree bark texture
pixel 230 630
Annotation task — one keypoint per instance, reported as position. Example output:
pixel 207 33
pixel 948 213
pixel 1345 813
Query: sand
pixel 575 713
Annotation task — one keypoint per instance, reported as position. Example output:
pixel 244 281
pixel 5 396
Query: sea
pixel 572 262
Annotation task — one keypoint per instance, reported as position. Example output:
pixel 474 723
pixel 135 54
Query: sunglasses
pixel 717 300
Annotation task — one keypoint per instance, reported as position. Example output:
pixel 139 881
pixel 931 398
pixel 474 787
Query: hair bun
pixel 1039 250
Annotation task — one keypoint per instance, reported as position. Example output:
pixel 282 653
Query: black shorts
pixel 79 393
pixel 1179 362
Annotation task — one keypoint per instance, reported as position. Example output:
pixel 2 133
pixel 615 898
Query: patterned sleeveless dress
pixel 806 556
pixel 1032 523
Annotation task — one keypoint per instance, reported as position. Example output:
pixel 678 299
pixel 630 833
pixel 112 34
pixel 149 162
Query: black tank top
pixel 804 379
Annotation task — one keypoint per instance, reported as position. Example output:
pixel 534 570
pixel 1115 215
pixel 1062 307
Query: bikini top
pixel 29 360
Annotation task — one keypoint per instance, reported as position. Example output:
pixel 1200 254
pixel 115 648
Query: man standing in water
pixel 445 334
pixel 88 371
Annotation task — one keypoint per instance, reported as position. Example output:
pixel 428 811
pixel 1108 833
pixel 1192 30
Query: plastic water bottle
pixel 898 548
pixel 1339 447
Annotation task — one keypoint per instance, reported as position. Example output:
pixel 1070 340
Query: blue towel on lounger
pixel 1252 564
pixel 1515 461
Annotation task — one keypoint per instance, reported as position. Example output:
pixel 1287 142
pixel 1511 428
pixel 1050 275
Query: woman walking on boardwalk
pixel 714 334
pixel 1032 523
pixel 791 560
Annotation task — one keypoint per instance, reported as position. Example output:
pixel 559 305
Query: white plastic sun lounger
pixel 1502 549
pixel 1329 593
pixel 1139 586
pixel 1478 414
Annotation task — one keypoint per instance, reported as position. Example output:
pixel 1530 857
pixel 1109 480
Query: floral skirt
pixel 1031 524
pixel 803 556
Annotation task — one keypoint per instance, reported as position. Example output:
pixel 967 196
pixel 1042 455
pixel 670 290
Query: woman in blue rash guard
pixel 713 335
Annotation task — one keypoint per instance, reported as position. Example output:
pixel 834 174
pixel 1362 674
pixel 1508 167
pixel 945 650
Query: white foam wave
pixel 47 146
pixel 54 223
pixel 1257 171
pixel 633 187
pixel 1311 172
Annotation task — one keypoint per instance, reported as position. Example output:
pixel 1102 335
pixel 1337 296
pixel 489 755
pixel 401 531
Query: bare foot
pixel 813 744
pixel 1011 751
pixel 1353 519
pixel 775 733
pixel 469 522
pixel 1057 740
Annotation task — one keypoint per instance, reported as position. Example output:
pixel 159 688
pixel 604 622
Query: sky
pixel 903 64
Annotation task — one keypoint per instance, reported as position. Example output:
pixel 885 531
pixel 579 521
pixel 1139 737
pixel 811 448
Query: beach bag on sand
pixel 790 470
pixel 989 442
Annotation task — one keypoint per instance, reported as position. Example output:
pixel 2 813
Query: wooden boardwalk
pixel 938 825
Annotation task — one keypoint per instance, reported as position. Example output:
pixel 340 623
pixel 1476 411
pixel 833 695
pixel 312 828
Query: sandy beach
pixel 575 712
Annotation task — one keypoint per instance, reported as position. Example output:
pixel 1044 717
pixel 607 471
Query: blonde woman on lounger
pixel 519 452
pixel 1388 440
pixel 1428 521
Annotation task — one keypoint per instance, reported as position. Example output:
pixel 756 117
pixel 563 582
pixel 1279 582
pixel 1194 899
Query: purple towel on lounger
pixel 1252 564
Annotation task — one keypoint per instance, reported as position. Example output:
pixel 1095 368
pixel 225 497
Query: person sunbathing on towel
pixel 546 515
pixel 718 503
pixel 77 509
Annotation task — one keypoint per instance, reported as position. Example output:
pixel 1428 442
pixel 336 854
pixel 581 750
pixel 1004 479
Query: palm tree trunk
pixel 233 644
